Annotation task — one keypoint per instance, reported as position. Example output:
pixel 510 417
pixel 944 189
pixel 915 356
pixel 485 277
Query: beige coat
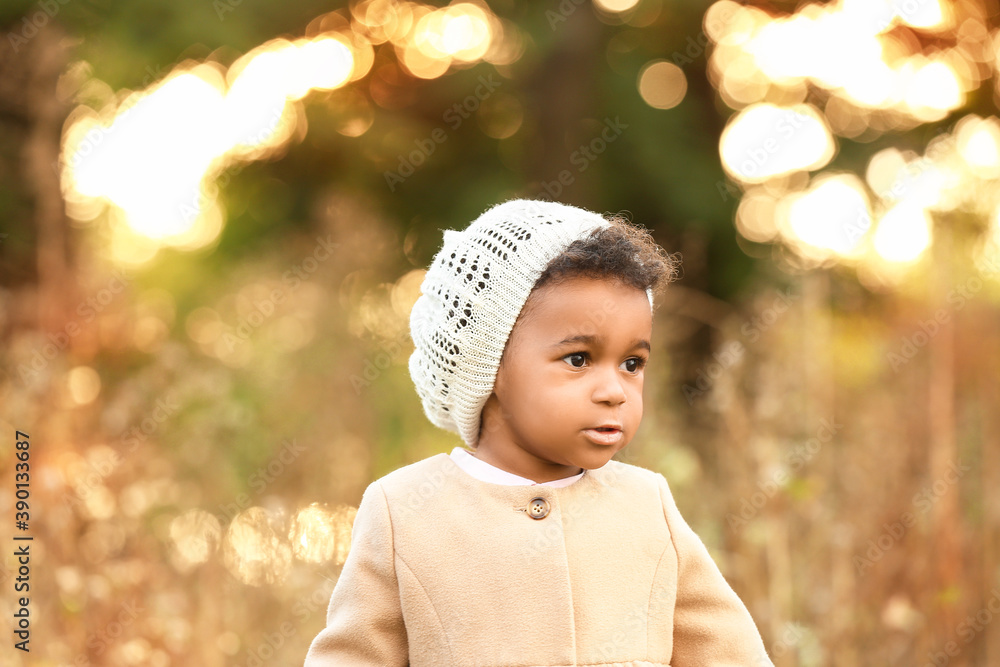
pixel 447 570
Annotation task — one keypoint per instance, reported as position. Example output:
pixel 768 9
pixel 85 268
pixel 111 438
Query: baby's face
pixel 574 362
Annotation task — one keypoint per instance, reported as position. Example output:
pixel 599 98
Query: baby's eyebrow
pixel 591 339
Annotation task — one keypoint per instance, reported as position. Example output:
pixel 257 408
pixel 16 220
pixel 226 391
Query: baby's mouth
pixel 605 435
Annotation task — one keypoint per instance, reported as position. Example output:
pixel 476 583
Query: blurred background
pixel 216 215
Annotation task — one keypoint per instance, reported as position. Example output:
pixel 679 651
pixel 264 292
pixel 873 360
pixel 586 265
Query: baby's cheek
pixel 637 405
pixel 546 407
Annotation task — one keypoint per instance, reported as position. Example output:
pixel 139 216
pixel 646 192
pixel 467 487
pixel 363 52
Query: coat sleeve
pixel 712 626
pixel 364 621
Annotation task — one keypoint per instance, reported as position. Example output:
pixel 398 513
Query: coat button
pixel 538 508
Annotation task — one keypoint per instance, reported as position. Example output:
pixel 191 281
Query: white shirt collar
pixel 487 472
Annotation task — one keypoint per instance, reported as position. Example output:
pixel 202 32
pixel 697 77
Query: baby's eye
pixel 582 355
pixel 637 363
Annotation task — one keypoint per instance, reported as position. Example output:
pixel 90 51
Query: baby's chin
pixel 597 457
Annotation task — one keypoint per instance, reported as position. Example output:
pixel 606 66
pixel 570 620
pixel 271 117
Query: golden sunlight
pixel 318 535
pixel 662 84
pixel 884 78
pixel 195 536
pixel 151 159
pixel 616 6
pixel 84 384
pixel 903 233
pixel 765 140
pixel 869 74
pixel 255 549
pixel 831 218
pixel 979 144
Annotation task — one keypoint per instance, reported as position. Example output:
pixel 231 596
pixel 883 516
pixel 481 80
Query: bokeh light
pixel 84 384
pixel 195 535
pixel 830 218
pixel 662 84
pixel 616 6
pixel 256 549
pixel 319 536
pixel 764 141
pixel 153 156
pixel 765 63
pixel 903 233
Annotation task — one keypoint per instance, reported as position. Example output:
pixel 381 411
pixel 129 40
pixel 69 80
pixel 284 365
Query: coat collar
pixel 487 472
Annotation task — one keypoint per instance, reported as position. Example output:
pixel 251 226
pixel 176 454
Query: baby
pixel 534 547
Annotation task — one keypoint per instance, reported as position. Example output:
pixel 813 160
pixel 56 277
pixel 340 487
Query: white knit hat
pixel 471 297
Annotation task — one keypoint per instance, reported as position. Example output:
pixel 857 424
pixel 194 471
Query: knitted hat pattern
pixel 471 297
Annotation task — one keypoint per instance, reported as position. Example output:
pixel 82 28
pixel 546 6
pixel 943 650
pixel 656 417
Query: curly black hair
pixel 622 251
